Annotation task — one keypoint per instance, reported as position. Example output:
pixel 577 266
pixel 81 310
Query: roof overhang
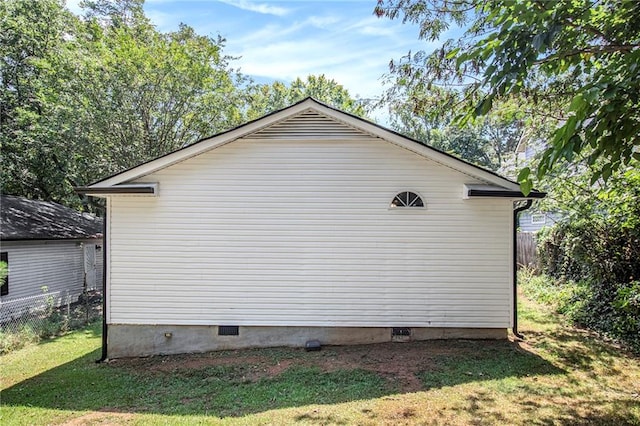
pixel 490 191
pixel 140 189
pixel 106 186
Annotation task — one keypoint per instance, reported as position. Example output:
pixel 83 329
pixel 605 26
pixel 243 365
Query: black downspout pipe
pixel 516 212
pixel 103 357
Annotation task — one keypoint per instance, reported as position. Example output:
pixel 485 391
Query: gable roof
pixel 291 122
pixel 24 219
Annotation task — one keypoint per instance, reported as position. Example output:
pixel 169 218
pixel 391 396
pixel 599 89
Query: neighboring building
pixel 532 221
pixel 49 248
pixel 306 224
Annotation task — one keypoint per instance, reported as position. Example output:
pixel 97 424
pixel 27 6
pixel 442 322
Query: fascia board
pixel 137 189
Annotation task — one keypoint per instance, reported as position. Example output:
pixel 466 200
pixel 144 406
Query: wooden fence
pixel 526 255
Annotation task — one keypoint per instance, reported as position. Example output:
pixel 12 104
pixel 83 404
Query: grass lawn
pixel 559 375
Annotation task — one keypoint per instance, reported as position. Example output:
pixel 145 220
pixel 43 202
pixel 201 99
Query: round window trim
pixel 407 199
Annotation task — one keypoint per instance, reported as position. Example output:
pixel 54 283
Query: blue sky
pixel 282 40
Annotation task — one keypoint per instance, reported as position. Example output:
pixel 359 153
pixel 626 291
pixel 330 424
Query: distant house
pixel 48 247
pixel 532 221
pixel 306 224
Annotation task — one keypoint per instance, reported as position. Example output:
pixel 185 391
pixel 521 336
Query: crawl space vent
pixel 401 331
pixel 228 330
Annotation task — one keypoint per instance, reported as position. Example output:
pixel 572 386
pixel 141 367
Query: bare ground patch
pixel 103 418
pixel 398 363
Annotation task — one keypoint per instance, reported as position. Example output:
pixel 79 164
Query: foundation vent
pixel 400 334
pixel 400 331
pixel 228 330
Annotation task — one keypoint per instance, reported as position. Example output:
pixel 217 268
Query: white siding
pixel 57 265
pixel 299 232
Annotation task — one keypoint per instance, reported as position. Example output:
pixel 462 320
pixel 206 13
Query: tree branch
pixel 611 48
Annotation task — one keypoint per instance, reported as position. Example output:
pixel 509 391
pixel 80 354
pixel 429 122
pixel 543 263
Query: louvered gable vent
pixel 310 125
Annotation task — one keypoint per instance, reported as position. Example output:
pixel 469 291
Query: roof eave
pixel 488 193
pixel 148 189
pixel 40 238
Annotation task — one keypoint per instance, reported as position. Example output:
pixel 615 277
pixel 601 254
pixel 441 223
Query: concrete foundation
pixel 142 340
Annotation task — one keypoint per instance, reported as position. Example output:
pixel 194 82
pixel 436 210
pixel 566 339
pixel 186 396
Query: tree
pixel 266 98
pixel 32 49
pixel 148 93
pixel 576 61
pixel 490 142
pixel 83 98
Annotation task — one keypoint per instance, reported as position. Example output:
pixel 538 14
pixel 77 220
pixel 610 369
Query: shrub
pixel 17 340
pixel 596 253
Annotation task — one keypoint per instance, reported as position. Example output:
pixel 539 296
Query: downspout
pixel 103 356
pixel 516 212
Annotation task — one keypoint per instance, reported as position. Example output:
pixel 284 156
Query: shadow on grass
pixel 480 406
pixel 492 361
pixel 238 383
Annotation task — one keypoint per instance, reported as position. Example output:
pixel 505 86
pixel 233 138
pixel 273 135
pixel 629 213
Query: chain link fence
pixel 30 319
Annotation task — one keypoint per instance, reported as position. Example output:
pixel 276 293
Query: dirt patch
pixel 103 417
pixel 170 363
pixel 399 363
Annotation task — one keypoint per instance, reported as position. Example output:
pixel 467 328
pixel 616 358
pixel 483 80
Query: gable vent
pixel 310 125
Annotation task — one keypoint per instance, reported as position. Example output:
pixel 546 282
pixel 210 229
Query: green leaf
pixel 526 187
pixel 523 175
pixel 484 106
pixel 452 54
pixel 538 41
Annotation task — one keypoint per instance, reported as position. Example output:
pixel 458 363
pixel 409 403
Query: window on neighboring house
pixel 538 219
pixel 4 290
pixel 407 199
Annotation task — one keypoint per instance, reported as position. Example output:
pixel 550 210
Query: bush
pixel 17 340
pixel 596 254
pixel 595 263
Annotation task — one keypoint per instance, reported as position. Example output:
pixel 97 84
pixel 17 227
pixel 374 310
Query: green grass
pixel 560 375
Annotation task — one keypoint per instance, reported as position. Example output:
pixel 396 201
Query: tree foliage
pixel 575 61
pixel 489 142
pixel 32 46
pixel 597 246
pixel 266 98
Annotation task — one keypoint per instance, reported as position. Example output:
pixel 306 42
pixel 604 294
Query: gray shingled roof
pixel 24 219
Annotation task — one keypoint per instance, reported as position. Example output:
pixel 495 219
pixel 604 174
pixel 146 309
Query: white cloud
pixel 323 21
pixel 263 8
pixel 163 21
pixel 343 41
pixel 354 52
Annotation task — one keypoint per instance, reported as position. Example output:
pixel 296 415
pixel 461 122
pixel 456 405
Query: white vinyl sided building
pixel 52 251
pixel 306 224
